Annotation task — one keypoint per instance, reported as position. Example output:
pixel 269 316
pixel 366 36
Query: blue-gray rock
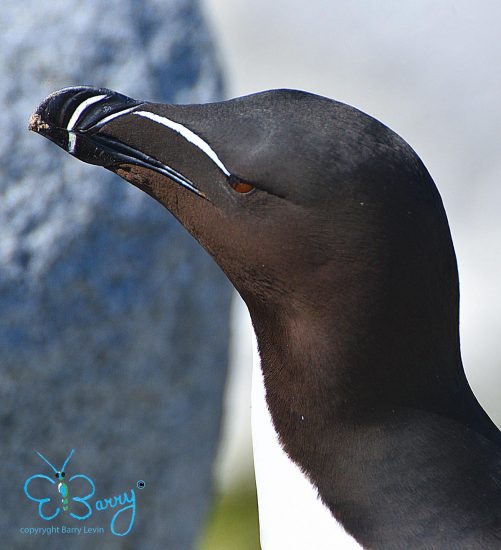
pixel 113 321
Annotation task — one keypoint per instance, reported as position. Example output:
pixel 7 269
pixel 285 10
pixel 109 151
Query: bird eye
pixel 241 186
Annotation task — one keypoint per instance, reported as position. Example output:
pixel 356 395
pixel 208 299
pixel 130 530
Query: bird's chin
pixel 146 180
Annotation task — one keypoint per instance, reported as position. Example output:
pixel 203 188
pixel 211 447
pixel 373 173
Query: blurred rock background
pixel 114 322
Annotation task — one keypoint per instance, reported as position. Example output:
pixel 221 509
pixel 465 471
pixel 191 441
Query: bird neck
pixel 368 347
pixel 357 352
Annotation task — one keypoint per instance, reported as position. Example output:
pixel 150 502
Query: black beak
pixel 75 119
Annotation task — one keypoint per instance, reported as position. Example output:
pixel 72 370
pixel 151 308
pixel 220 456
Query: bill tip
pixel 36 124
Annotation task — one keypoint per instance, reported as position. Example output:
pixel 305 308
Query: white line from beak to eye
pixel 188 135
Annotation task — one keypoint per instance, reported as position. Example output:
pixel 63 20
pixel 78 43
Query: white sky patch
pixel 188 135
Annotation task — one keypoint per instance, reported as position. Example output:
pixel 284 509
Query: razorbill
pixel 334 234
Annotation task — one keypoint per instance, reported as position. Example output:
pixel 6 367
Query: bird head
pixel 288 191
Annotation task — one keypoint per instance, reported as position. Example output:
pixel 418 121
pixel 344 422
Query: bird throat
pixel 291 514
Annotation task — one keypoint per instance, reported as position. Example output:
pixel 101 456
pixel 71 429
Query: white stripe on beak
pixel 81 108
pixel 109 118
pixel 77 113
